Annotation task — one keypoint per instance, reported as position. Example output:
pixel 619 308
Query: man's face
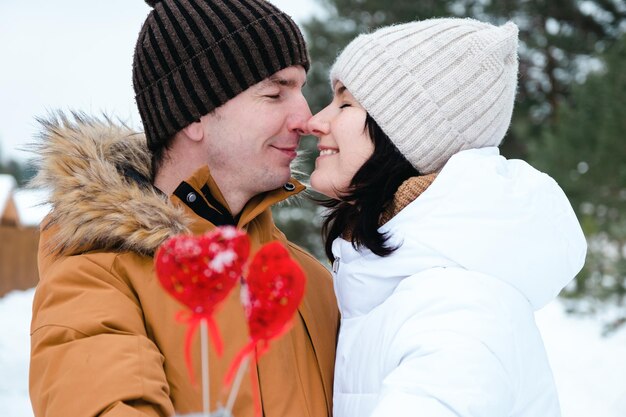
pixel 252 139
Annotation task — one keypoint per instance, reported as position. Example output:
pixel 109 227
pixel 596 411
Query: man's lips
pixel 290 151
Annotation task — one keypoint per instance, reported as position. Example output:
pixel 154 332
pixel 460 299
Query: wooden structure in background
pixel 18 258
pixel 18 242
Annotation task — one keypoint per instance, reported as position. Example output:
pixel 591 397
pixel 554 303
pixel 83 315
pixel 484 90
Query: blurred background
pixel 569 120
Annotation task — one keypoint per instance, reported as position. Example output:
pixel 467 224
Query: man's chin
pixel 276 182
pixel 286 174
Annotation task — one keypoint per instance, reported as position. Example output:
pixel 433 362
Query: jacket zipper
pixel 336 265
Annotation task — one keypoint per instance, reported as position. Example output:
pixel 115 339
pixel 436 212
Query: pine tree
pixel 585 153
pixel 558 42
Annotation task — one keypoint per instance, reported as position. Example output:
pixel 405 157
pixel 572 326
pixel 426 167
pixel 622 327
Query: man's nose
pixel 298 120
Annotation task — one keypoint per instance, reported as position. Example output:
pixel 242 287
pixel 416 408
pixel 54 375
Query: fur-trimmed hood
pixel 84 162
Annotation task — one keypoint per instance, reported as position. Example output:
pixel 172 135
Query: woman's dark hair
pixel 370 192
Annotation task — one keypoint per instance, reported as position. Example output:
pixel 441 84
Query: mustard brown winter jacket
pixel 104 339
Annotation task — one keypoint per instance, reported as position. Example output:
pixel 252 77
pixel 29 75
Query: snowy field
pixel 590 370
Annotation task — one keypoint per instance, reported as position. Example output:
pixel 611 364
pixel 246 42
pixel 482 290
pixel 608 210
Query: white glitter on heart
pixel 222 260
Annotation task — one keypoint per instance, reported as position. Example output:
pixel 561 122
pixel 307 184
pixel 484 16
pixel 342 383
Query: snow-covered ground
pixel 15 316
pixel 590 370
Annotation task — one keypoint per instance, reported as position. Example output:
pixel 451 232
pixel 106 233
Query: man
pixel 219 92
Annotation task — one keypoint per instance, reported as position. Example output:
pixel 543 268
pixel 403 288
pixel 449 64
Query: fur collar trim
pixel 95 206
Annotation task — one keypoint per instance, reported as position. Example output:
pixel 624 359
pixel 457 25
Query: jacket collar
pixel 201 195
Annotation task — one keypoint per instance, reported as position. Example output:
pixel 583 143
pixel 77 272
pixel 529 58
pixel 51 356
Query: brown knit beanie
pixel 192 56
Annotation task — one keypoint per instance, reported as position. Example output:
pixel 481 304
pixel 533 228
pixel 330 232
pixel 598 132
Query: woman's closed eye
pixel 343 106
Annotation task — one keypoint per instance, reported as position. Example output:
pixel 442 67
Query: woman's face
pixel 343 142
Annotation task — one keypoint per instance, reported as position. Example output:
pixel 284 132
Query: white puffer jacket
pixel 444 327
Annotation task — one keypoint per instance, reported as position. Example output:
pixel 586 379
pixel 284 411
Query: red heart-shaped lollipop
pixel 200 271
pixel 274 289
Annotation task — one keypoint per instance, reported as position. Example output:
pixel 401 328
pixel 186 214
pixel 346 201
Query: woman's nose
pixel 317 126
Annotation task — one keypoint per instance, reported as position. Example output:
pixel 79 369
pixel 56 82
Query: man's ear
pixel 194 131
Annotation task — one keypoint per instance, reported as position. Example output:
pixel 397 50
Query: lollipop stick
pixel 204 344
pixel 235 389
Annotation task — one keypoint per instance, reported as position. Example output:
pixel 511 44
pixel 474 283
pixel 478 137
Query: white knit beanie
pixel 435 87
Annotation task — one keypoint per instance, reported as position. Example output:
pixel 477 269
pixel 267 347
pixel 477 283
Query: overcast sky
pixel 73 54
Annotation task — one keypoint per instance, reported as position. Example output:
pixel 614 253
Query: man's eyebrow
pixel 280 81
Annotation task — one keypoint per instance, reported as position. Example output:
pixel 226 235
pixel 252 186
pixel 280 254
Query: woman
pixel 441 248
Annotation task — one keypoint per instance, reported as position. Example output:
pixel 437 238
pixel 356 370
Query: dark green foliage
pixel 557 38
pixel 585 152
pixel 301 223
